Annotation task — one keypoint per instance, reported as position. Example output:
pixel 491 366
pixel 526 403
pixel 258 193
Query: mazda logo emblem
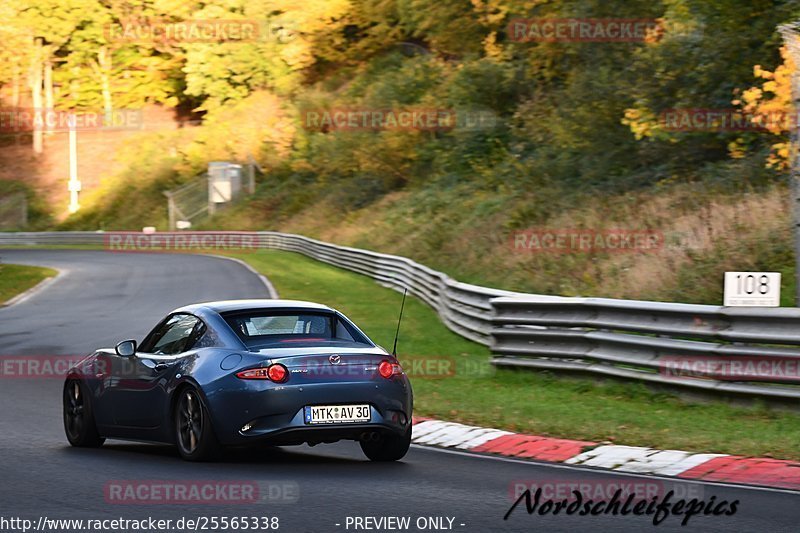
pixel 335 359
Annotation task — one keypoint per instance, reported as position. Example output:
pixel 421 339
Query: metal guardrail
pixel 464 308
pixel 720 349
pixel 620 338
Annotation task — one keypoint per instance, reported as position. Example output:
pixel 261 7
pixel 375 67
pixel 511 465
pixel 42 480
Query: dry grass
pixel 474 245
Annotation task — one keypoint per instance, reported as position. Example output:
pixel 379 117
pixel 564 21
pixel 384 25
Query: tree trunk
pixel 35 79
pixel 48 88
pixel 15 88
pixel 104 62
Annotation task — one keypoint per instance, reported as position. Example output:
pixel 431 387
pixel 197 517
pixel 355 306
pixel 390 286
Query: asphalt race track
pixel 104 297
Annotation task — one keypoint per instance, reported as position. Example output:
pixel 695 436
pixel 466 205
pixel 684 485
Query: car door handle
pixel 157 366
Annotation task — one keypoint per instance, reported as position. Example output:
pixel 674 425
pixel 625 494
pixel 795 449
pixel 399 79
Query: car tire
pixel 79 423
pixel 194 434
pixel 390 447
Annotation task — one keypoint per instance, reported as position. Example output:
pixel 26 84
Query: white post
pixel 211 196
pixel 170 210
pixel 789 32
pixel 74 184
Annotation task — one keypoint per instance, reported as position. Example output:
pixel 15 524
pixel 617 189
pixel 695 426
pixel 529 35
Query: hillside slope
pixel 545 137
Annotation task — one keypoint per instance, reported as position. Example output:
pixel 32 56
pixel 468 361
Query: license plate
pixel 336 414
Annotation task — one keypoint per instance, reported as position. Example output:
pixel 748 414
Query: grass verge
pixel 476 393
pixel 528 402
pixel 16 279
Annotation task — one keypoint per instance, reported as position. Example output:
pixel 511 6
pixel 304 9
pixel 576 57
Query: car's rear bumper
pixel 262 411
pixel 322 434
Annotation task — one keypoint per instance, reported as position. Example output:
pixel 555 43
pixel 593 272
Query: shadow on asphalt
pixel 267 455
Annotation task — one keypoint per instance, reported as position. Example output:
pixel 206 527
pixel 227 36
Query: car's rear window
pixel 260 327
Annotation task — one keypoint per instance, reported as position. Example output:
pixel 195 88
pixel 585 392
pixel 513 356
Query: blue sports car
pixel 210 375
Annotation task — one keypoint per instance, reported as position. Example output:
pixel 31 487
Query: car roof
pixel 224 306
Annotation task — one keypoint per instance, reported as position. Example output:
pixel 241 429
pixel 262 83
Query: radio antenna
pixel 397 333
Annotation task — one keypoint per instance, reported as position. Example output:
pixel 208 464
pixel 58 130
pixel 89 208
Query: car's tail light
pixel 276 373
pixel 388 369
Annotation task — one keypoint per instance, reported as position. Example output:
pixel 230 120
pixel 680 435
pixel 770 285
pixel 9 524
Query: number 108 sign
pixel 752 289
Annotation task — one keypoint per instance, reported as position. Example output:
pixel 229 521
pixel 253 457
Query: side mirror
pixel 126 348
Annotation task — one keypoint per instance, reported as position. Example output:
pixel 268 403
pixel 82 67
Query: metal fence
pixel 188 203
pixel 13 211
pixel 202 197
pixel 622 338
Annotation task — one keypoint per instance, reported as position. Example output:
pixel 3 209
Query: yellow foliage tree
pixel 770 106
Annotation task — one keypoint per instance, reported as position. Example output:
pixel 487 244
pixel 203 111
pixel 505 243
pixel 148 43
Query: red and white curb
pixel 676 463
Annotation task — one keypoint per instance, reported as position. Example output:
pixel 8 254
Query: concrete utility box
pixel 224 183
